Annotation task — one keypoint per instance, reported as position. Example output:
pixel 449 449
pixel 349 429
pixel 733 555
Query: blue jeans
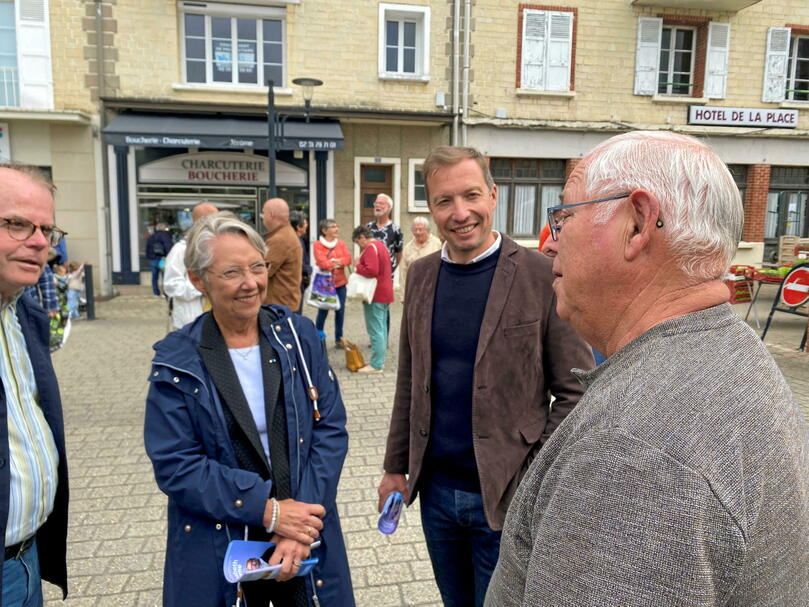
pixel 154 264
pixel 320 321
pixel 375 324
pixel 22 585
pixel 463 548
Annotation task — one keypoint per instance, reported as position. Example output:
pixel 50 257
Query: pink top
pixel 376 264
pixel 324 256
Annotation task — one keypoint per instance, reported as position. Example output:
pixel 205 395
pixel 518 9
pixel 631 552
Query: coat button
pixel 294 369
pixel 319 583
pixel 300 440
pixel 288 346
pixel 423 431
pixel 196 390
pixel 187 528
pixel 238 503
pixel 426 389
pixel 176 380
pixel 218 526
pixel 155 374
pixel 277 327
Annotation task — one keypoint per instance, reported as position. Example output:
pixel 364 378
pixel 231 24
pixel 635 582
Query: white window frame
pixel 406 12
pixel 672 51
pixel 791 62
pixel 415 205
pixel 547 58
pixel 233 12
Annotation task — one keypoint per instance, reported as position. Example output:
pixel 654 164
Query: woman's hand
pixel 298 521
pixel 337 263
pixel 290 554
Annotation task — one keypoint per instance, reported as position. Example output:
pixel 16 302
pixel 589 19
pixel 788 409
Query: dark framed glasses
pixel 557 215
pixel 22 229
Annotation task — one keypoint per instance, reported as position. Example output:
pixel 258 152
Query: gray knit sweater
pixel 680 479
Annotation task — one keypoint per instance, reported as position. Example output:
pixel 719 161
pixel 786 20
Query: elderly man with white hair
pixel 682 476
pixel 383 229
pixel 422 244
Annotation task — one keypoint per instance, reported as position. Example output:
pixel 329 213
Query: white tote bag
pixel 361 287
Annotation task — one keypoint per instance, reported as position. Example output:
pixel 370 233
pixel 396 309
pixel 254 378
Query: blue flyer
pixel 245 561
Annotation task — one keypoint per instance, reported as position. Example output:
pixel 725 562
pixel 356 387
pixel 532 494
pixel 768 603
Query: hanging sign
pixel 795 290
pixel 743 116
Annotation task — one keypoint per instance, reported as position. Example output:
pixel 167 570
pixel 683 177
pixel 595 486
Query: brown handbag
pixel 354 359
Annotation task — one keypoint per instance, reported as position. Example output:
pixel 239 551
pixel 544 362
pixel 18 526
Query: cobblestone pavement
pixel 117 514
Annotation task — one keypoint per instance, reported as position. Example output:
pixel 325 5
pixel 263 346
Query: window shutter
pixel 560 43
pixel 716 67
pixel 34 54
pixel 534 39
pixel 775 65
pixel 647 55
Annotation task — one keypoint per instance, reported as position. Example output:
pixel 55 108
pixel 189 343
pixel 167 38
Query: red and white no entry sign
pixel 795 290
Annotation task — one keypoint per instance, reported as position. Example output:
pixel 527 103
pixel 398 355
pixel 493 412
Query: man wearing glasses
pixel 682 476
pixel 481 352
pixel 33 467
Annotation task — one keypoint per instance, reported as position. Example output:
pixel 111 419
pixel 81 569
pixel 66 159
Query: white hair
pixel 198 254
pixel 700 205
pixel 423 221
pixel 386 198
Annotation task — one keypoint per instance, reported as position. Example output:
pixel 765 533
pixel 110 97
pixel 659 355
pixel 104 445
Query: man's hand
pixel 290 554
pixel 297 521
pixel 391 482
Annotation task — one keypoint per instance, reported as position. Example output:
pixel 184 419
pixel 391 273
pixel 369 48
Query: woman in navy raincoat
pixel 245 428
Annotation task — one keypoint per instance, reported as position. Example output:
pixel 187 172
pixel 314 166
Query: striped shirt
pixel 32 451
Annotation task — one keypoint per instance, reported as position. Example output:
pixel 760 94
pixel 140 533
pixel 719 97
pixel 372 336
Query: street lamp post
pixel 308 85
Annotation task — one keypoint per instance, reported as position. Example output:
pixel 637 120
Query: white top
pixel 248 367
pixel 186 300
pixel 487 253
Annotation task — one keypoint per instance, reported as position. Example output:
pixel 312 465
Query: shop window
pixel 223 48
pixel 787 203
pixel 545 55
pixel 682 56
pixel 786 68
pixel 525 189
pixel 416 192
pixel 404 42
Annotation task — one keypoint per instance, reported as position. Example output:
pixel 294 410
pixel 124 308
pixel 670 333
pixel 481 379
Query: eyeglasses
pixel 556 220
pixel 258 270
pixel 22 229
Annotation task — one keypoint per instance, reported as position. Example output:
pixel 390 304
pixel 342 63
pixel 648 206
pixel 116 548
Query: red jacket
pixel 324 256
pixel 375 263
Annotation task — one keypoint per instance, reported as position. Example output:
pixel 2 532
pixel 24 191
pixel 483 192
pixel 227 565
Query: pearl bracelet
pixel 276 510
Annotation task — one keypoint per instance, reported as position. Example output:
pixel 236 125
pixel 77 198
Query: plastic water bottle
pixel 389 519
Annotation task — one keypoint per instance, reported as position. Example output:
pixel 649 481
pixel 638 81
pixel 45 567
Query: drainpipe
pixel 106 268
pixel 467 20
pixel 456 43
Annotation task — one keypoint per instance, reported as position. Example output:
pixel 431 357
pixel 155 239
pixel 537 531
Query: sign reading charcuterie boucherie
pixel 795 290
pixel 743 116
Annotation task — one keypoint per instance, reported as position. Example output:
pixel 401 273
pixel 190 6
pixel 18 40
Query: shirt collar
pixel 5 303
pixel 487 253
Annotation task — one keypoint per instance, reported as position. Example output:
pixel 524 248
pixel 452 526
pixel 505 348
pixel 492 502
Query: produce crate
pixel 741 289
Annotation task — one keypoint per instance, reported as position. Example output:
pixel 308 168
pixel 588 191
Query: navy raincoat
pixel 210 498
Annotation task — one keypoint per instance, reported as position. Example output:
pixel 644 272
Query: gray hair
pixel 198 255
pixel 700 204
pixel 32 172
pixel 421 220
pixel 386 198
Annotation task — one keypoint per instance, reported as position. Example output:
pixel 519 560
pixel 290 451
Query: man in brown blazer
pixel 481 352
pixel 284 256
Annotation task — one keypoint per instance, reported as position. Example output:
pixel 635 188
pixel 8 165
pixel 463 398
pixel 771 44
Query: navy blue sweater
pixel 460 302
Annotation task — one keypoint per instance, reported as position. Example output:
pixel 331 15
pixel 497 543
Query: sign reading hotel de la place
pixel 220 168
pixel 743 116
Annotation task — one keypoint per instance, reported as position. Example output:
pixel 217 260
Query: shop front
pixel 162 166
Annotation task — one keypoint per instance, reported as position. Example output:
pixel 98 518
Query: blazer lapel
pixel 498 294
pixel 271 396
pixel 215 357
pixel 423 292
